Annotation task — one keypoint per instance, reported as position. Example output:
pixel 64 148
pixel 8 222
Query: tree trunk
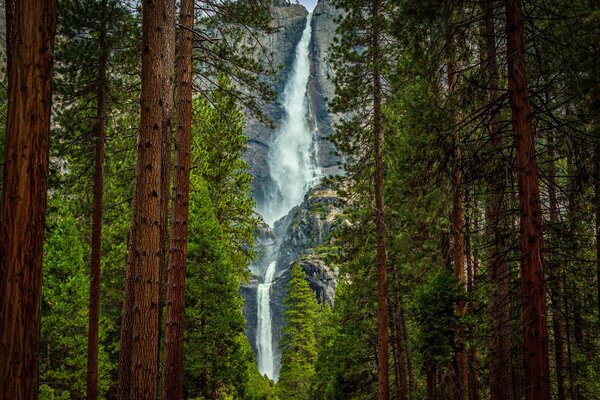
pixel 407 353
pixel 535 342
pixel 597 217
pixel 458 249
pixel 94 312
pixel 145 247
pixel 168 48
pixel 382 276
pixel 472 268
pixel 173 373
pixel 31 27
pixel 500 346
pixel 555 270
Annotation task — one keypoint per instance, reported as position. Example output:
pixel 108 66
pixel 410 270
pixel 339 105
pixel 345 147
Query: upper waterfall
pixel 292 160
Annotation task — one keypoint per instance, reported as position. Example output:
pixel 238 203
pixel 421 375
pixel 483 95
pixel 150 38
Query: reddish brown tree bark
pixel 139 373
pixel 535 341
pixel 173 370
pixel 31 27
pixel 168 38
pixel 383 373
pixel 94 311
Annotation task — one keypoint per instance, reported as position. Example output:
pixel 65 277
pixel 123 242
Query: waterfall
pixel 292 156
pixel 294 169
pixel 264 334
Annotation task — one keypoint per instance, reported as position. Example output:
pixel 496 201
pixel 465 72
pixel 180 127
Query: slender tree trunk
pixel 472 268
pixel 145 248
pixel 535 343
pixel 555 270
pixel 501 385
pixel 398 343
pixel 31 27
pixel 382 275
pixel 458 249
pixel 597 217
pixel 173 375
pixel 430 382
pixel 407 353
pixel 94 312
pixel 168 37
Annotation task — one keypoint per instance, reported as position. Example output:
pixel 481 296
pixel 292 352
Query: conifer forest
pixel 300 199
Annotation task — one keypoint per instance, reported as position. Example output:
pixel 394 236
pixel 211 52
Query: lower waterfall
pixel 294 169
pixel 264 334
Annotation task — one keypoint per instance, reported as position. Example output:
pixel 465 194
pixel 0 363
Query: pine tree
pixel 174 329
pixel 30 27
pixel 138 364
pixel 535 352
pixel 298 342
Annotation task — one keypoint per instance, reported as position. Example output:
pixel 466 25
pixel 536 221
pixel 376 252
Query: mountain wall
pixel 290 20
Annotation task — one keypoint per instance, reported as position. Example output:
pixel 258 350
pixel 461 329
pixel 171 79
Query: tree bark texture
pixel 382 275
pixel 94 311
pixel 168 38
pixel 176 272
pixel 31 27
pixel 535 341
pixel 140 371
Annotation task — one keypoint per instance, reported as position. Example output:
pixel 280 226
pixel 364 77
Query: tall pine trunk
pixel 597 217
pixel 140 372
pixel 556 288
pixel 458 238
pixel 173 373
pixel 383 373
pixel 94 312
pixel 500 346
pixel 535 341
pixel 30 36
pixel 168 37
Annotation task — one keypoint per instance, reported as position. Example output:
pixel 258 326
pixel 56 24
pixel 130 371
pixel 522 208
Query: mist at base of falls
pixel 294 170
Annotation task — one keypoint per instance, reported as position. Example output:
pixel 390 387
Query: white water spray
pixel 292 164
pixel 264 334
pixel 294 169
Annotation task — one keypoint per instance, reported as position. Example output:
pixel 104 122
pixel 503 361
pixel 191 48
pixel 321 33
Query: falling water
pixel 294 169
pixel 292 164
pixel 264 334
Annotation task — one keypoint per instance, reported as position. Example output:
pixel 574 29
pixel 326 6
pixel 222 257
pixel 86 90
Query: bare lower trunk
pixel 173 372
pixel 597 216
pixel 94 313
pixel 145 247
pixel 30 25
pixel 535 342
pixel 168 49
pixel 556 287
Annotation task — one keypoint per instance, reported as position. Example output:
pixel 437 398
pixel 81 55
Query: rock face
pixel 320 86
pixel 300 237
pixel 303 234
pixel 290 20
